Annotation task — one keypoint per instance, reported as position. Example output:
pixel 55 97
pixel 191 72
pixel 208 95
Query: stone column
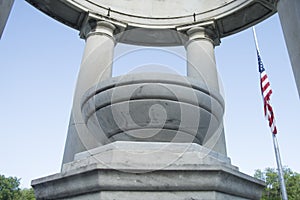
pixel 96 66
pixel 5 8
pixel 201 56
pixel 201 65
pixel 289 13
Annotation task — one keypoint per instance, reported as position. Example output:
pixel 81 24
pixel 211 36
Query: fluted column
pixel 96 66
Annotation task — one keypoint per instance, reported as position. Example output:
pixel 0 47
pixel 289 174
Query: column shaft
pixel 201 57
pixel 201 65
pixel 96 66
pixel 289 13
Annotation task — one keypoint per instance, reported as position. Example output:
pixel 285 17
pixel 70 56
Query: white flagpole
pixel 275 143
pixel 255 38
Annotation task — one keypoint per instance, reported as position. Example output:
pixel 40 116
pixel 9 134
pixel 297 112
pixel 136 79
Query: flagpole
pixel 275 143
pixel 280 171
pixel 255 38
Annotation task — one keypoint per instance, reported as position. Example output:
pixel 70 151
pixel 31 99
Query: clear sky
pixel 39 64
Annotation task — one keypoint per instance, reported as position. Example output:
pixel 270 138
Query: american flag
pixel 266 94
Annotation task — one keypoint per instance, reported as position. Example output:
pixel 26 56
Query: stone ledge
pixel 204 179
pixel 148 156
pixel 188 177
pixel 191 195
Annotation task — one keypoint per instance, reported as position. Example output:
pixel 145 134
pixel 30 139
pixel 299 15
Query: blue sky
pixel 39 64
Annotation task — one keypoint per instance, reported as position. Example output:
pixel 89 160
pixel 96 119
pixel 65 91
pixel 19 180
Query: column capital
pixel 203 33
pixel 94 27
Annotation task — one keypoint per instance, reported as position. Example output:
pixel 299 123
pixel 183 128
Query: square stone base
pixel 149 171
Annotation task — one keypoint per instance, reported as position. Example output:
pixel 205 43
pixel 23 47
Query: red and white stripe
pixel 266 92
pixel 265 86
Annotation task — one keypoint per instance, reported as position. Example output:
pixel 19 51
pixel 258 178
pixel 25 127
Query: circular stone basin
pixel 152 107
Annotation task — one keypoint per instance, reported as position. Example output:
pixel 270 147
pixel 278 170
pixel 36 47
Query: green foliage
pixel 27 194
pixel 272 190
pixel 9 190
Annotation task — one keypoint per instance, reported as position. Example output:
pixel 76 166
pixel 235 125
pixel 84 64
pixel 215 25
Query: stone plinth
pixel 148 171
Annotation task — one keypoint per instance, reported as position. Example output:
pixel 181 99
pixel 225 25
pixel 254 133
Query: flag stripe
pixel 266 88
pixel 264 76
pixel 266 94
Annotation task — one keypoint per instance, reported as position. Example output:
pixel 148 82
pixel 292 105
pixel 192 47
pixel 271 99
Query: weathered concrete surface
pixel 289 13
pixel 137 170
pixel 5 8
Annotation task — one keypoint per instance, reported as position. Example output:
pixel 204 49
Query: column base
pixel 149 171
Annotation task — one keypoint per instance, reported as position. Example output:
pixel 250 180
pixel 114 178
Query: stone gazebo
pixel 150 135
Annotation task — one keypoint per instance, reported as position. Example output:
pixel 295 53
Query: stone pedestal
pixel 149 171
